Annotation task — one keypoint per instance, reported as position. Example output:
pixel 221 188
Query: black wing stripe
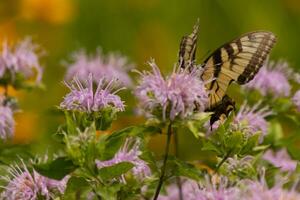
pixel 255 63
pixel 239 45
pixel 238 61
pixel 217 60
pixel 229 49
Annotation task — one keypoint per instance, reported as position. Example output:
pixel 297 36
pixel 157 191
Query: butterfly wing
pixel 187 50
pixel 237 61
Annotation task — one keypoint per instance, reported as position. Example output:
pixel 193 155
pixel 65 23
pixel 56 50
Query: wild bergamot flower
pixel 112 66
pixel 84 98
pixel 177 95
pixel 7 122
pixel 26 185
pixel 129 152
pixel 252 119
pixel 281 159
pixel 21 60
pixel 272 79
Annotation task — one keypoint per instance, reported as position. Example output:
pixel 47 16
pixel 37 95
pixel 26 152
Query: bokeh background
pixel 138 29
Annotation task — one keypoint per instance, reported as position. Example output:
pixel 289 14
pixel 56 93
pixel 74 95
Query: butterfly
pixel 236 61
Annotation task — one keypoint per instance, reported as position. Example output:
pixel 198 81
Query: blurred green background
pixel 138 29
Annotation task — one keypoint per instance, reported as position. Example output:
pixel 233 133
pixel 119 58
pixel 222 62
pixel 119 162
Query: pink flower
pixel 208 190
pixel 83 97
pixel 7 122
pixel 21 59
pixel 259 190
pixel 113 66
pixel 177 95
pixel 250 120
pixel 24 185
pixel 129 152
pixel 272 78
pixel 253 119
pixel 280 159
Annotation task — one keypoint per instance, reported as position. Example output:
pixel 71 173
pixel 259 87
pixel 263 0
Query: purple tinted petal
pixel 177 94
pixel 83 98
pixel 113 66
pixel 280 159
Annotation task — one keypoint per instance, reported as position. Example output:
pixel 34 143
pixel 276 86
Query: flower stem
pixel 178 181
pixel 164 166
pixel 223 160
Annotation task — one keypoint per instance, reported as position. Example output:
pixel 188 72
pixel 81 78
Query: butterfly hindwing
pixel 237 61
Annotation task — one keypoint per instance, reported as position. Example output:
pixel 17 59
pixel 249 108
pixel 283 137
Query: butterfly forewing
pixel 237 61
pixel 187 50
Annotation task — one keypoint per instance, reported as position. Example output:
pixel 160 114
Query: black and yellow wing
pixel 187 49
pixel 237 61
pixel 222 109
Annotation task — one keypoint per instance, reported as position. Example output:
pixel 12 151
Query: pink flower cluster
pixel 22 184
pixel 112 66
pixel 21 59
pixel 177 95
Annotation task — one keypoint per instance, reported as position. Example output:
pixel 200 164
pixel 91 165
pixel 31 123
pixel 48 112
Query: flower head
pixel 272 78
pixel 83 97
pixel 235 163
pixel 113 66
pixel 296 100
pixel 208 190
pixel 129 152
pixel 280 159
pixel 259 190
pixel 22 184
pixel 249 119
pixel 7 122
pixel 253 119
pixel 21 59
pixel 177 95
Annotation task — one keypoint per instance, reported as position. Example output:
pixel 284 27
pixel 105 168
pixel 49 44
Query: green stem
pixel 178 181
pixel 164 166
pixel 223 160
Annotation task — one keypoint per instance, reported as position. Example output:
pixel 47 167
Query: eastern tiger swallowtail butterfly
pixel 236 61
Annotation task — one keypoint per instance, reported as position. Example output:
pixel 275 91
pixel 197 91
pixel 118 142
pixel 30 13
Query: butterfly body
pixel 221 110
pixel 236 61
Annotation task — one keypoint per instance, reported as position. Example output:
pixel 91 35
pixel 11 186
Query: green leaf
pixel 104 118
pixel 270 175
pixel 109 192
pixel 76 184
pixel 71 123
pixel 107 173
pixel 234 140
pixel 209 146
pixel 10 153
pixel 261 147
pixel 57 169
pixel 275 132
pixel 116 139
pixel 148 157
pixel 195 125
pixel 181 168
pixel 251 143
